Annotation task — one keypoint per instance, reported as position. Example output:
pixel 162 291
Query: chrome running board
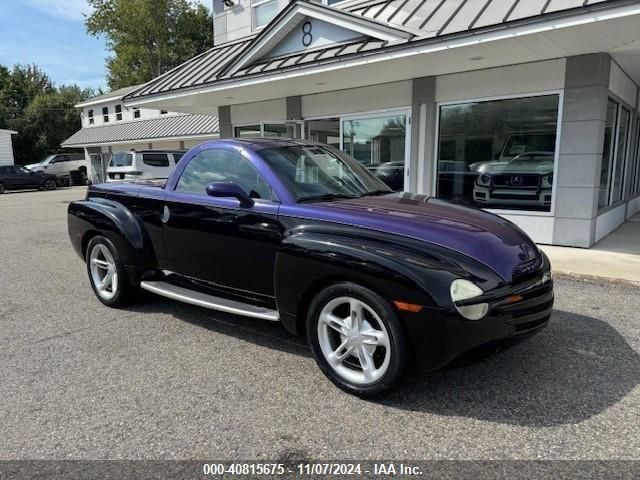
pixel 209 301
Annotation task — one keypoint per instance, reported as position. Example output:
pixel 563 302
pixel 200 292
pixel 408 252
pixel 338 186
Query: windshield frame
pixel 369 182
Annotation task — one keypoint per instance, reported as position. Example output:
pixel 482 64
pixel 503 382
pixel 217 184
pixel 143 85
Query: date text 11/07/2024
pixel 303 469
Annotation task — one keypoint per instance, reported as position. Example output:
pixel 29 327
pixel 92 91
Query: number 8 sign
pixel 307 38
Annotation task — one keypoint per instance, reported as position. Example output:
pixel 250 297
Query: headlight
pixel 547 181
pixel 484 179
pixel 465 290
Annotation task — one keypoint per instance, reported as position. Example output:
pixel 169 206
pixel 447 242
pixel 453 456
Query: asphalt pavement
pixel 167 380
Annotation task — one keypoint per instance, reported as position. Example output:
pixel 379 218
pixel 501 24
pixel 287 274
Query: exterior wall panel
pixel 540 229
pixel 375 97
pixel 511 80
pixel 609 221
pixel 621 85
pixel 254 112
pixel 581 146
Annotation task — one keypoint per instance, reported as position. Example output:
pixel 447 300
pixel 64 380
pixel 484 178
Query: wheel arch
pixel 86 238
pixel 315 288
pixel 310 261
pixel 89 218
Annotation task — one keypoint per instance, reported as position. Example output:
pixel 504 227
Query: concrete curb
pixel 596 278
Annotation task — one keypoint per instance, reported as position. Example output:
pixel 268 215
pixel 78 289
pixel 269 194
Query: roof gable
pixel 305 26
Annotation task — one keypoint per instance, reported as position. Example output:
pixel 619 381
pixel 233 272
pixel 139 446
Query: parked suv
pixel 141 165
pixel 527 180
pixel 61 165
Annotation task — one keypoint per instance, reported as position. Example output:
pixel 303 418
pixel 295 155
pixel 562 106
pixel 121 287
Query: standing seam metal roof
pixel 425 19
pixel 174 126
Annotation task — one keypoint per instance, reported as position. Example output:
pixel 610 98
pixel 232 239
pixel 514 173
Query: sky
pixel 51 34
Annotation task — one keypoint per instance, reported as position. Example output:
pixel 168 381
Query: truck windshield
pixel 121 160
pixel 317 173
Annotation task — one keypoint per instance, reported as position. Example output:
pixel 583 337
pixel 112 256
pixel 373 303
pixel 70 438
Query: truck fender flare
pixel 307 259
pixel 117 223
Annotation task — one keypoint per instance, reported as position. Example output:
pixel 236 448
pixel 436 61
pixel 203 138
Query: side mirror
pixel 230 189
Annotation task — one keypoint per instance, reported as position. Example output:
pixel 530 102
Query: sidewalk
pixel 617 256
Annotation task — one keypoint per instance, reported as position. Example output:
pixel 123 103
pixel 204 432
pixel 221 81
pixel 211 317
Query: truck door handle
pixel 166 214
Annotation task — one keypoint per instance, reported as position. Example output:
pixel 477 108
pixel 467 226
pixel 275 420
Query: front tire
pixel 1 188
pixel 49 184
pixel 106 274
pixel 357 340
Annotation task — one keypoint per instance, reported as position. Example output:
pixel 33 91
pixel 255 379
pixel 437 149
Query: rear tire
pixel 357 340
pixel 1 188
pixel 107 275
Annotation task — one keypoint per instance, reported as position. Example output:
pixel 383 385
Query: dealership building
pixel 109 127
pixel 526 108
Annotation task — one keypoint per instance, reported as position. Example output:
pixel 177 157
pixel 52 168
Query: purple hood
pixel 485 237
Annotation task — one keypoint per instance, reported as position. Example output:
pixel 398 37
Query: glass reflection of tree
pixel 375 141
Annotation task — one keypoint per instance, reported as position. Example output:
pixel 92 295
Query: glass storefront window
pixel 635 184
pixel 614 155
pixel 326 130
pixel 288 130
pixel 499 153
pixel 621 156
pixel 380 145
pixel 247 131
pixel 607 153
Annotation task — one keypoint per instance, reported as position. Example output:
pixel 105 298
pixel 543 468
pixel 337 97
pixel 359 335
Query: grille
pixel 506 196
pixel 533 311
pixel 516 181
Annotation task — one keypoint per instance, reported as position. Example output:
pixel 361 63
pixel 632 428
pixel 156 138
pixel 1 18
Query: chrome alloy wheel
pixel 354 340
pixel 104 274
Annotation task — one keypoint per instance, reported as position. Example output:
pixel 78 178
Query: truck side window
pixel 216 165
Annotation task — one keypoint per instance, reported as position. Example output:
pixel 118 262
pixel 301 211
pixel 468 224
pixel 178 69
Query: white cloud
pixel 69 9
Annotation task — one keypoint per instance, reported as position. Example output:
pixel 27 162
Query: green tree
pixel 18 88
pixel 149 37
pixel 49 120
pixel 43 115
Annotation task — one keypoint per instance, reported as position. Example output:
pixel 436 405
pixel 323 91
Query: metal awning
pixel 174 127
pixel 428 22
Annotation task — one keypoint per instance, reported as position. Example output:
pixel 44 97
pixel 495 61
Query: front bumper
pixel 502 196
pixel 516 310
